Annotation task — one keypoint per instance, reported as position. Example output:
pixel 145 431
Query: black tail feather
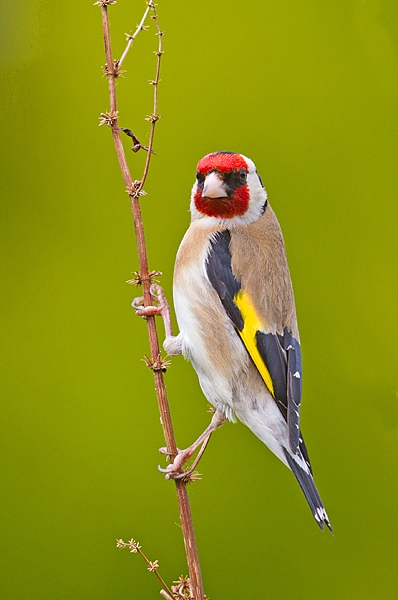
pixel 310 492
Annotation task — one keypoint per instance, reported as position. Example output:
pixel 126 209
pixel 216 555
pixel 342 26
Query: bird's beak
pixel 214 186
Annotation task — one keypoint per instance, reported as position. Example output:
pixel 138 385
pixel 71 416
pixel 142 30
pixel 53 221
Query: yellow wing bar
pixel 252 324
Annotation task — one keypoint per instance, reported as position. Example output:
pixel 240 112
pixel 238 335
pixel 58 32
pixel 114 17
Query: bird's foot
pixel 161 309
pixel 157 295
pixel 174 470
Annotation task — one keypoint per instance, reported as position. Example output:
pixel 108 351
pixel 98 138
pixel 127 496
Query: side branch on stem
pixel 131 38
pixel 135 190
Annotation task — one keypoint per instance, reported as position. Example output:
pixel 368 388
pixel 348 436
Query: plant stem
pixel 182 494
pixel 131 38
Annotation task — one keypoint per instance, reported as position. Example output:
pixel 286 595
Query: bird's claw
pixel 164 450
pixel 148 311
pixel 174 473
pixel 169 475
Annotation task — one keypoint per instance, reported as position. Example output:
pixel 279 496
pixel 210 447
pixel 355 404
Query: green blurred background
pixel 308 90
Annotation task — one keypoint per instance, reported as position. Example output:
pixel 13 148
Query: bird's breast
pixel 208 336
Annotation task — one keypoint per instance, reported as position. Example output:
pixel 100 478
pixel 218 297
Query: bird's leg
pixel 173 471
pixel 172 344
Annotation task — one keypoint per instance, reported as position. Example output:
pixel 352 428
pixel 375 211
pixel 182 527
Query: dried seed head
pixel 133 545
pixel 159 364
pixel 182 589
pixel 104 2
pixel 153 565
pixel 137 279
pixel 191 477
pixel 109 118
pixel 117 73
pixel 134 190
pixel 153 118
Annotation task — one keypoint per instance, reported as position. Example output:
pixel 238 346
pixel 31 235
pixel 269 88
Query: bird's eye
pixel 243 175
pixel 200 178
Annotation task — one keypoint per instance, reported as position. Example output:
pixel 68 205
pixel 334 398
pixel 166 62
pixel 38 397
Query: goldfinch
pixel 236 314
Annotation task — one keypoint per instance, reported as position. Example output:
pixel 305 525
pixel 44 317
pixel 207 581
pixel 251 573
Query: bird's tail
pixel 311 494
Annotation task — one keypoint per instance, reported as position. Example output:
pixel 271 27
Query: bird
pixel 236 314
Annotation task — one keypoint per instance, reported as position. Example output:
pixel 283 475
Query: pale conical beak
pixel 214 187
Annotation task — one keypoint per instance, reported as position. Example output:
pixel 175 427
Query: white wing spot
pixel 296 374
pixel 320 514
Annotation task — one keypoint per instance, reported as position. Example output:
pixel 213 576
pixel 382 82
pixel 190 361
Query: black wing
pixel 277 357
